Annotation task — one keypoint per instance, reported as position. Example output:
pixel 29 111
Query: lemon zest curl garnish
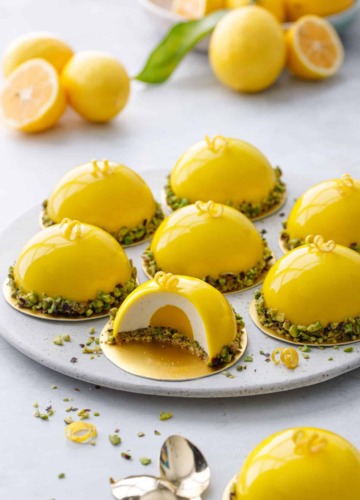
pixel 319 243
pixel 80 432
pixel 72 229
pixel 167 281
pixel 288 356
pixel 216 144
pixel 215 210
pixel 345 183
pixel 97 170
pixel 308 444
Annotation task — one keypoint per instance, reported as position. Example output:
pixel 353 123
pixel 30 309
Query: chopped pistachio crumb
pixel 349 349
pixel 96 414
pixel 240 368
pixel 58 340
pixel 92 330
pixel 36 413
pixel 61 476
pixel 67 400
pixel 114 439
pixel 228 375
pixel 54 387
pixel 306 356
pixel 44 416
pixel 248 359
pixel 66 338
pixel 305 348
pixel 336 347
pixel 157 433
pixel 140 434
pixel 69 408
pixel 36 405
pixel 126 455
pixel 145 461
pixel 165 415
pixel 83 414
pixel 331 359
pixel 68 420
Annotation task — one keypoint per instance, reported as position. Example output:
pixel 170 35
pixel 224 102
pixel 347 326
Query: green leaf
pixel 181 38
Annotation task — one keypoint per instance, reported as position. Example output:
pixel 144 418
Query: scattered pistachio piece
pixel 96 414
pixel 66 338
pixel 83 414
pixel 305 348
pixel 36 405
pixel 92 331
pixel 67 400
pixel 349 349
pixel 145 461
pixel 126 455
pixel 331 359
pixel 157 433
pixel 228 375
pixel 61 476
pixel 58 340
pixel 68 420
pixel 240 368
pixel 248 359
pixel 165 415
pixel 140 434
pixel 54 387
pixel 306 356
pixel 114 439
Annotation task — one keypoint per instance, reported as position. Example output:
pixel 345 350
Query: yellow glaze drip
pixel 193 245
pixel 215 316
pixel 72 260
pixel 102 193
pixel 173 317
pixel 301 464
pixel 331 208
pixel 222 170
pixel 310 285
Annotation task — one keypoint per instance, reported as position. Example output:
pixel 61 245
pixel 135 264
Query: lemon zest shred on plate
pixel 80 432
pixel 288 356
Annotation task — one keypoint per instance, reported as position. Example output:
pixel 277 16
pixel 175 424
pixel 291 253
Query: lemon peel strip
pixel 215 210
pixel 98 170
pixel 167 281
pixel 72 229
pixel 308 444
pixel 345 183
pixel 217 143
pixel 320 243
pixel 288 356
pixel 80 432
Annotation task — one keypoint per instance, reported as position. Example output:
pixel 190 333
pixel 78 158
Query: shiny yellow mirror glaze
pixel 75 264
pixel 233 170
pixel 109 197
pixel 301 464
pixel 207 310
pixel 329 208
pixel 310 285
pixel 196 243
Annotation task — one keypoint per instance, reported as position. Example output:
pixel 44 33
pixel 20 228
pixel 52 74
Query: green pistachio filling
pixel 344 331
pixel 59 306
pixel 291 243
pixel 251 210
pixel 125 235
pixel 225 282
pixel 174 337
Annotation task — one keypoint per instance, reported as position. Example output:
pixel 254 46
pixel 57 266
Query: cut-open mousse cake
pixel 70 270
pixel 331 208
pixel 228 171
pixel 301 463
pixel 312 295
pixel 107 195
pixel 212 242
pixel 179 311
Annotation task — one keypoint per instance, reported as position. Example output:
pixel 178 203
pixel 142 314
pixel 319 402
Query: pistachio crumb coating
pixel 174 337
pixel 344 331
pixel 62 307
pixel 250 210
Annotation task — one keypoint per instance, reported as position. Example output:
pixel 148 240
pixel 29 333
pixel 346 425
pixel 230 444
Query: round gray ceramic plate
pixel 34 337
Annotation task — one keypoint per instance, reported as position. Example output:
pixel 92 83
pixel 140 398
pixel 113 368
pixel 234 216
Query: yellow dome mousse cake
pixel 71 270
pixel 300 464
pixel 180 311
pixel 212 242
pixel 228 171
pixel 108 195
pixel 312 294
pixel 331 208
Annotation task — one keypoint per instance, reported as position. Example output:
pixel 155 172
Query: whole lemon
pixel 247 49
pixel 33 46
pixel 96 84
pixel 299 8
pixel 276 7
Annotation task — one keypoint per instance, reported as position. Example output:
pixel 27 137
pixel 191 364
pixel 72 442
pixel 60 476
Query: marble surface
pixel 303 127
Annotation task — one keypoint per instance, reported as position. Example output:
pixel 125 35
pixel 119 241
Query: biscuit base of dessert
pixel 226 283
pixel 311 340
pixel 166 359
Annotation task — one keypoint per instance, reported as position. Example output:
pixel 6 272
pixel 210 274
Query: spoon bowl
pixel 143 488
pixel 183 464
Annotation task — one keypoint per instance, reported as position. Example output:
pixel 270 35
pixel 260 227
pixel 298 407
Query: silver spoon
pixel 143 488
pixel 183 464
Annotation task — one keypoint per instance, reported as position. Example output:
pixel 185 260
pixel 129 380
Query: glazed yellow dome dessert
pixel 331 208
pixel 212 242
pixel 71 270
pixel 228 171
pixel 182 311
pixel 300 464
pixel 312 294
pixel 107 195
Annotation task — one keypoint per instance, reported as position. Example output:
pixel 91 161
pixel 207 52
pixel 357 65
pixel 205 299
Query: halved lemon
pixel 315 50
pixel 32 98
pixel 195 9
